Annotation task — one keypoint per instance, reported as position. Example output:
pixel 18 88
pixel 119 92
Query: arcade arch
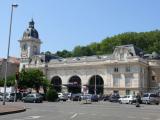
pixel 57 83
pixel 74 85
pixel 98 86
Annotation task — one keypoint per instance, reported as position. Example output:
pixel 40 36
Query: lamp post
pixel 4 97
pixel 95 86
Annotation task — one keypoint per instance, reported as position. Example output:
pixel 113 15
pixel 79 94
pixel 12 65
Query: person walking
pixel 138 99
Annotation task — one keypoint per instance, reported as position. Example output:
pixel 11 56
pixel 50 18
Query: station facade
pixel 126 71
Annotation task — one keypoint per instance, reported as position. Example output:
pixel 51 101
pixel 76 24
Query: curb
pixel 14 111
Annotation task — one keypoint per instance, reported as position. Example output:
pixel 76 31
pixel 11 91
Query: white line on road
pixel 29 118
pixel 146 118
pixel 74 115
pixel 18 119
pixel 33 117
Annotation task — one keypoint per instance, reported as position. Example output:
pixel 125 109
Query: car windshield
pixel 145 95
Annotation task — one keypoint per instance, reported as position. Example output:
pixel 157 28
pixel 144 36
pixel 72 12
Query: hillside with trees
pixel 147 41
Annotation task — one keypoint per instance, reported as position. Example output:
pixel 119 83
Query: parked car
pixel 128 99
pixel 86 99
pixel 1 96
pixel 76 97
pixel 106 97
pixel 33 97
pixel 94 98
pixel 150 98
pixel 114 98
pixel 62 97
pixel 9 97
pixel 17 96
pixel 43 96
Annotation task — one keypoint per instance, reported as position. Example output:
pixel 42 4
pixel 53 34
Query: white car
pixel 128 99
pixel 62 97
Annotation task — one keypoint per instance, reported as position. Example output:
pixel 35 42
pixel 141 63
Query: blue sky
pixel 64 24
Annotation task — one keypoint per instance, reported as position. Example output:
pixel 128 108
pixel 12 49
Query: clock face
pixel 24 54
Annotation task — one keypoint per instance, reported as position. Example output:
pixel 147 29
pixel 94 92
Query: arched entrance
pixel 57 83
pixel 98 86
pixel 74 85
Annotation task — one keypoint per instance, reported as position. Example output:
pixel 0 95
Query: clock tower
pixel 29 44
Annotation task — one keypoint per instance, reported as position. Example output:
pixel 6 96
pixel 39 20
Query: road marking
pixel 33 117
pixel 28 118
pixel 18 119
pixel 146 118
pixel 74 115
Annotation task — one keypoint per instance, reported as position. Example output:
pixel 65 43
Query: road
pixel 76 111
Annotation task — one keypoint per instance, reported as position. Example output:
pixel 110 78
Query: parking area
pixel 71 110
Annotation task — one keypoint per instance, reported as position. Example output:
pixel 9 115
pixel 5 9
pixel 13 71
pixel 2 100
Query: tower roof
pixel 31 31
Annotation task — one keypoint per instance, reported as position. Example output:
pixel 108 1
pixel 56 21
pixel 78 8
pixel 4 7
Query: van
pixel 150 98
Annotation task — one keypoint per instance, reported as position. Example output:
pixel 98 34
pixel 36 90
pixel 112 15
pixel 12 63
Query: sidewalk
pixel 10 108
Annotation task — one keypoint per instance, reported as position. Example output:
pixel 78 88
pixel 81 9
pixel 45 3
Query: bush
pixel 51 95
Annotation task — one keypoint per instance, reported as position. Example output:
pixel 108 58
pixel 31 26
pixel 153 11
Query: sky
pixel 64 24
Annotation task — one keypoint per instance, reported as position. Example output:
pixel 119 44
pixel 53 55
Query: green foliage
pixel 10 81
pixel 45 84
pixel 64 53
pixel 1 82
pixel 82 51
pixel 147 41
pixel 31 78
pixel 51 95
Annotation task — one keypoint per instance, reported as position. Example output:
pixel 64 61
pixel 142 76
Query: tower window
pixel 116 69
pixel 24 47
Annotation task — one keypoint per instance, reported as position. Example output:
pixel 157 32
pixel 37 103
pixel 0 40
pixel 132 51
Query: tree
pixel 45 84
pixel 51 94
pixel 64 53
pixel 9 82
pixel 31 78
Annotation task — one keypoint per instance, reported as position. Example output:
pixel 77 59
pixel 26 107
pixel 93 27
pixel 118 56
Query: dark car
pixel 76 97
pixel 33 97
pixel 43 96
pixel 114 98
pixel 106 98
pixel 17 96
pixel 94 98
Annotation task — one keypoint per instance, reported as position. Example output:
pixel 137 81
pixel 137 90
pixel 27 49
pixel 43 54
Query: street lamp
pixel 4 97
pixel 95 86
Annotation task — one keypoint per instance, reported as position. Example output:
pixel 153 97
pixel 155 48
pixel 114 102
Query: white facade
pixel 29 44
pixel 124 71
pixel 127 74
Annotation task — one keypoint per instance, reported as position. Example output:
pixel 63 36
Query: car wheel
pixel 120 102
pixel 157 103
